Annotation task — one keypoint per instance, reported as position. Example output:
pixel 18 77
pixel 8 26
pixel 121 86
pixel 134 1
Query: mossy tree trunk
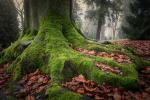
pixel 47 43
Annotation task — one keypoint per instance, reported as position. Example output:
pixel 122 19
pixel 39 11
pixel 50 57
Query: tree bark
pixel 26 14
pixel 98 30
pixel 35 10
pixel 99 27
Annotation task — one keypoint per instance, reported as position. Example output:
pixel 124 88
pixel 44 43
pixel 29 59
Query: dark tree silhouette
pixel 138 21
pixel 8 22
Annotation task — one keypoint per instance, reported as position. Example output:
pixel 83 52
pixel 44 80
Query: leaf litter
pixel 4 77
pixel 32 86
pixel 142 46
pixel 120 58
pixel 81 85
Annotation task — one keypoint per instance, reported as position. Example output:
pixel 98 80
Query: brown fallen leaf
pixel 147 90
pixel 92 52
pixel 142 46
pixel 81 90
pixel 45 80
pixel 29 97
pixel 97 97
pixel 107 68
pixel 40 89
pixel 138 96
pixel 148 68
pixel 145 96
pixel 80 78
pixel 88 88
pixel 117 95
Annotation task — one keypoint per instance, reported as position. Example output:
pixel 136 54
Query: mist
pixel 86 16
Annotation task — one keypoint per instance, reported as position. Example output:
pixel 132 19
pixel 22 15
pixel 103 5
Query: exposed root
pixel 15 49
pixel 86 67
pixel 50 51
pixel 120 58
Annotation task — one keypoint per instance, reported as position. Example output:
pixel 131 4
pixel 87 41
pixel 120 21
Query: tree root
pixel 50 51
pixel 15 49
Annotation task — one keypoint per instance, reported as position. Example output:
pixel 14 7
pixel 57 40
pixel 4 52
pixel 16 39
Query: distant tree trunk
pixel 99 27
pixel 20 11
pixel 115 25
pixel 34 14
pixel 27 14
pixel 71 5
pixel 22 21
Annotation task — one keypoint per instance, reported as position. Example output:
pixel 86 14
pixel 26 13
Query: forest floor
pixel 32 86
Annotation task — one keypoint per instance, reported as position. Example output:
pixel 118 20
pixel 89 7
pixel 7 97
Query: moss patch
pixel 52 47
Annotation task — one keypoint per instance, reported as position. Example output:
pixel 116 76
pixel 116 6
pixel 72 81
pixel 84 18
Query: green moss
pixel 10 52
pixel 16 69
pixel 68 71
pixel 87 67
pixel 50 50
pixel 109 48
pixel 58 93
pixel 15 49
pixel 32 58
pixel 145 63
pixel 72 35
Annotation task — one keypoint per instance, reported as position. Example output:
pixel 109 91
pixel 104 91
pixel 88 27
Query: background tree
pixel 103 10
pixel 20 10
pixel 8 22
pixel 137 25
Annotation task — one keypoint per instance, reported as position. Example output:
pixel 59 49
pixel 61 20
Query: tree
pixel 47 43
pixel 103 10
pixel 8 23
pixel 20 10
pixel 137 25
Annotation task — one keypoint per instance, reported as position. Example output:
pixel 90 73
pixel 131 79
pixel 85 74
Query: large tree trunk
pixel 47 43
pixel 35 10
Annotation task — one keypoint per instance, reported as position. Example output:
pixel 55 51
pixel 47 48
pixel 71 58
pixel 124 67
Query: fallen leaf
pixel 81 90
pixel 80 78
pixel 30 97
